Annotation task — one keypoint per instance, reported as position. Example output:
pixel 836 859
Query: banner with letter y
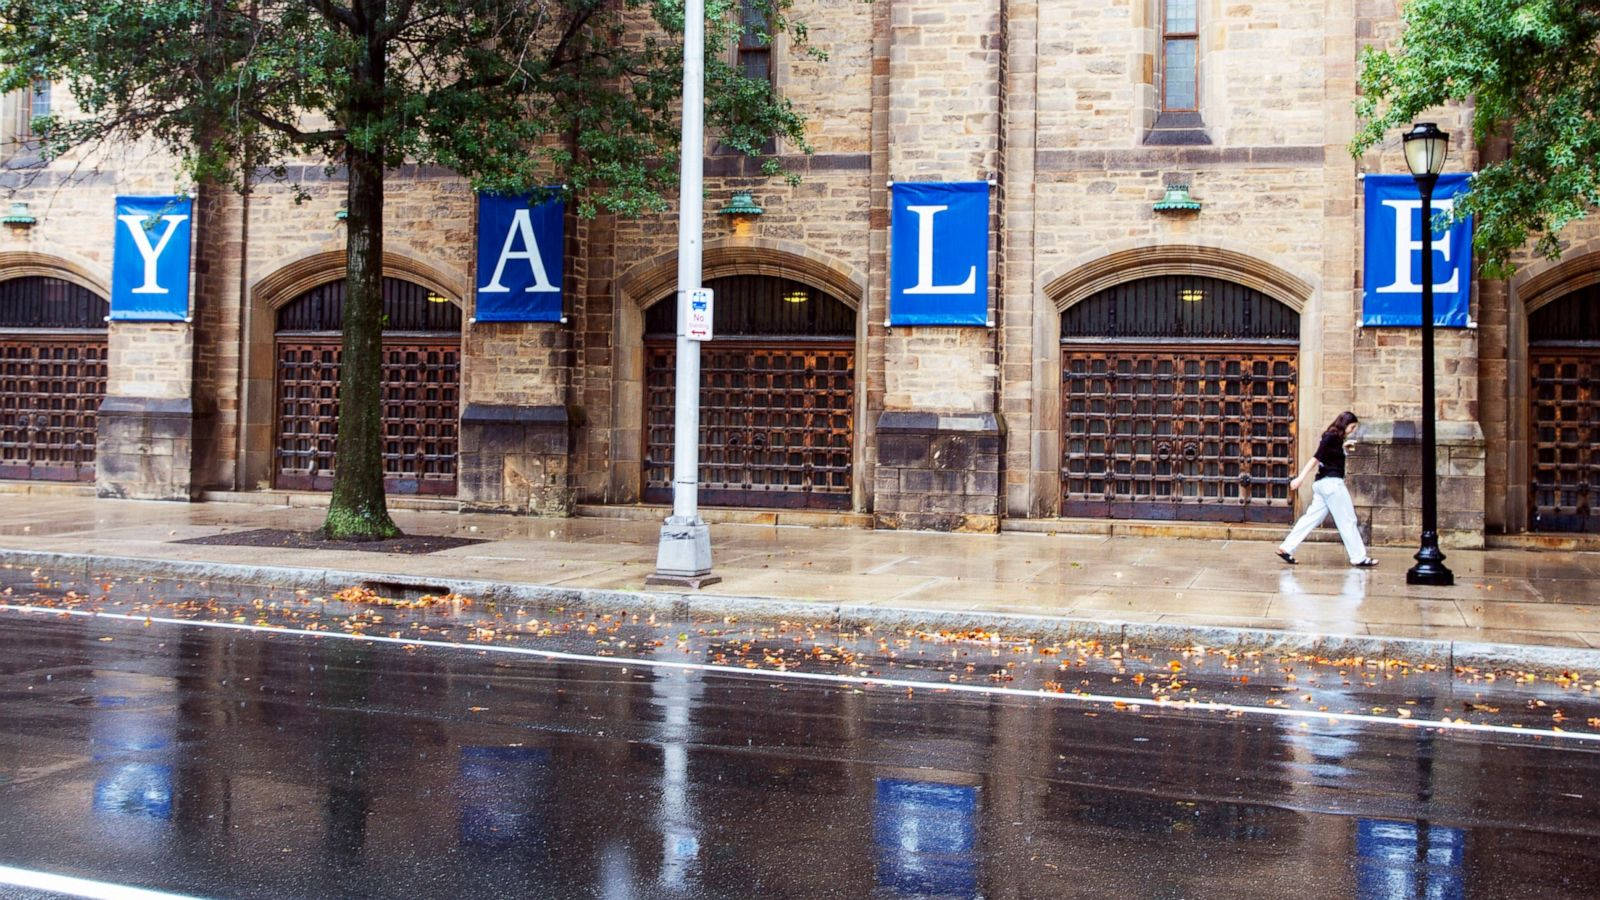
pixel 150 259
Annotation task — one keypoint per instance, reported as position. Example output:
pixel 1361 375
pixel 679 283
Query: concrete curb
pixel 1141 635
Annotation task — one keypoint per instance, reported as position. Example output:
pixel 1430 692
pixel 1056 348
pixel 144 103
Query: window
pixel 1180 40
pixel 41 99
pixel 755 43
pixel 1176 98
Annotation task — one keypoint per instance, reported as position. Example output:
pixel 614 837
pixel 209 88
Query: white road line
pixel 80 887
pixel 854 680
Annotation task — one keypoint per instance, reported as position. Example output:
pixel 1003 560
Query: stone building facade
pixel 1081 115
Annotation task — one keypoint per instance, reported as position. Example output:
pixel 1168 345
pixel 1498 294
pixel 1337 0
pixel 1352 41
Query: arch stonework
pixel 651 280
pixel 315 269
pixel 1178 259
pixel 1551 284
pixel 23 263
pixel 655 278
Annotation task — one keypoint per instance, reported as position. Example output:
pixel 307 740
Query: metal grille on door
pixel 777 398
pixel 1178 401
pixel 1178 433
pixel 52 378
pixel 1564 400
pixel 421 390
pixel 775 424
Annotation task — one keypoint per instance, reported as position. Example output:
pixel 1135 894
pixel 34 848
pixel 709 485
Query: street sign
pixel 698 326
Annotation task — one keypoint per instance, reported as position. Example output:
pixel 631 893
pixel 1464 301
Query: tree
pixel 1531 70
pixel 512 94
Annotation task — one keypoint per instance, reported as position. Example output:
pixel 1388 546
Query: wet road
pixel 246 763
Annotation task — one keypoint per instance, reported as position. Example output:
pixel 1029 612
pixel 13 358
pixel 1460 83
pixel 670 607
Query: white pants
pixel 1329 495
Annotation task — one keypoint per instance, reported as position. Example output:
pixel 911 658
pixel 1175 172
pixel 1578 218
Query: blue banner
pixel 520 247
pixel 939 254
pixel 150 259
pixel 1392 269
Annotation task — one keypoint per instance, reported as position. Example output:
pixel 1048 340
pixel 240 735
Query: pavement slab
pixel 1519 597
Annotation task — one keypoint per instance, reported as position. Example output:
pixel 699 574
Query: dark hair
pixel 1340 423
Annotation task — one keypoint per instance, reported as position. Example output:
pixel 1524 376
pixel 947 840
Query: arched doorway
pixel 52 378
pixel 421 388
pixel 777 396
pixel 1564 412
pixel 1178 401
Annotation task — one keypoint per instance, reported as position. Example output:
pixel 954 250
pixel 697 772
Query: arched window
pixel 761 306
pixel 1180 306
pixel 38 301
pixel 406 307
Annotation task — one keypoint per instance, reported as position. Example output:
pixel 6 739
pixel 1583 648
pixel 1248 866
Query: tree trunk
pixel 357 510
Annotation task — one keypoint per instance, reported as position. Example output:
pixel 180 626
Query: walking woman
pixel 1329 494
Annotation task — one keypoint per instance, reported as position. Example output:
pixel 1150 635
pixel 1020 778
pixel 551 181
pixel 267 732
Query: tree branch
pixel 295 134
pixel 554 60
pixel 335 13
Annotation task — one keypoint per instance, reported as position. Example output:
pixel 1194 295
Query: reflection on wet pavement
pixel 275 765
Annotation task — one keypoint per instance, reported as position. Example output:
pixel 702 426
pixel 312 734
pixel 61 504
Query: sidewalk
pixel 1155 589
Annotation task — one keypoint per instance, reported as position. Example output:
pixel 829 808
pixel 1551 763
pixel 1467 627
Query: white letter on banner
pixel 141 239
pixel 521 224
pixel 925 283
pixel 1404 281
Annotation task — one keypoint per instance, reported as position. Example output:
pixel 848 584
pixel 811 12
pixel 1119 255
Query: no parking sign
pixel 697 325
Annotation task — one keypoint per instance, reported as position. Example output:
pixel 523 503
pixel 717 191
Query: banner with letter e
pixel 150 259
pixel 520 245
pixel 939 253
pixel 1392 265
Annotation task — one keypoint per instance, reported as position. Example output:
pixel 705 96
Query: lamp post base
pixel 683 557
pixel 1430 568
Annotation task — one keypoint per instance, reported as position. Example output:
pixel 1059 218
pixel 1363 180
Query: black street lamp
pixel 1426 147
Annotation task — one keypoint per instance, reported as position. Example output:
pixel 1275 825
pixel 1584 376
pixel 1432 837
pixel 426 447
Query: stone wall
pixel 1385 478
pixel 938 472
pixel 955 427
pixel 514 458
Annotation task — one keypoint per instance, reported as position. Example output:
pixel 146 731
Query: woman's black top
pixel 1331 454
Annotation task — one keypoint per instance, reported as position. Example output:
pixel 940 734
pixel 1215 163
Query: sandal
pixel 1367 563
pixel 1287 557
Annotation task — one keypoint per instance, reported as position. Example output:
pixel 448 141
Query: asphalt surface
pixel 270 750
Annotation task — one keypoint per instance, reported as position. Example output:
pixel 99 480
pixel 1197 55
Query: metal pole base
pixel 1430 568
pixel 683 557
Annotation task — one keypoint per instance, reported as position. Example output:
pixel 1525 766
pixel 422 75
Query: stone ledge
pixel 147 407
pixel 502 414
pixel 1404 431
pixel 892 421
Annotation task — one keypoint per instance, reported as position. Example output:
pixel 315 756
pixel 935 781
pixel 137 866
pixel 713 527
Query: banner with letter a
pixel 520 245
pixel 1392 266
pixel 939 254
pixel 150 259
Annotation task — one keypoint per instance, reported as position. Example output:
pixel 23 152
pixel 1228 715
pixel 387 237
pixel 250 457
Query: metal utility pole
pixel 684 555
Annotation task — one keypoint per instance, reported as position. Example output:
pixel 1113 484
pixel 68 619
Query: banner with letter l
pixel 150 259
pixel 1392 264
pixel 520 246
pixel 939 253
